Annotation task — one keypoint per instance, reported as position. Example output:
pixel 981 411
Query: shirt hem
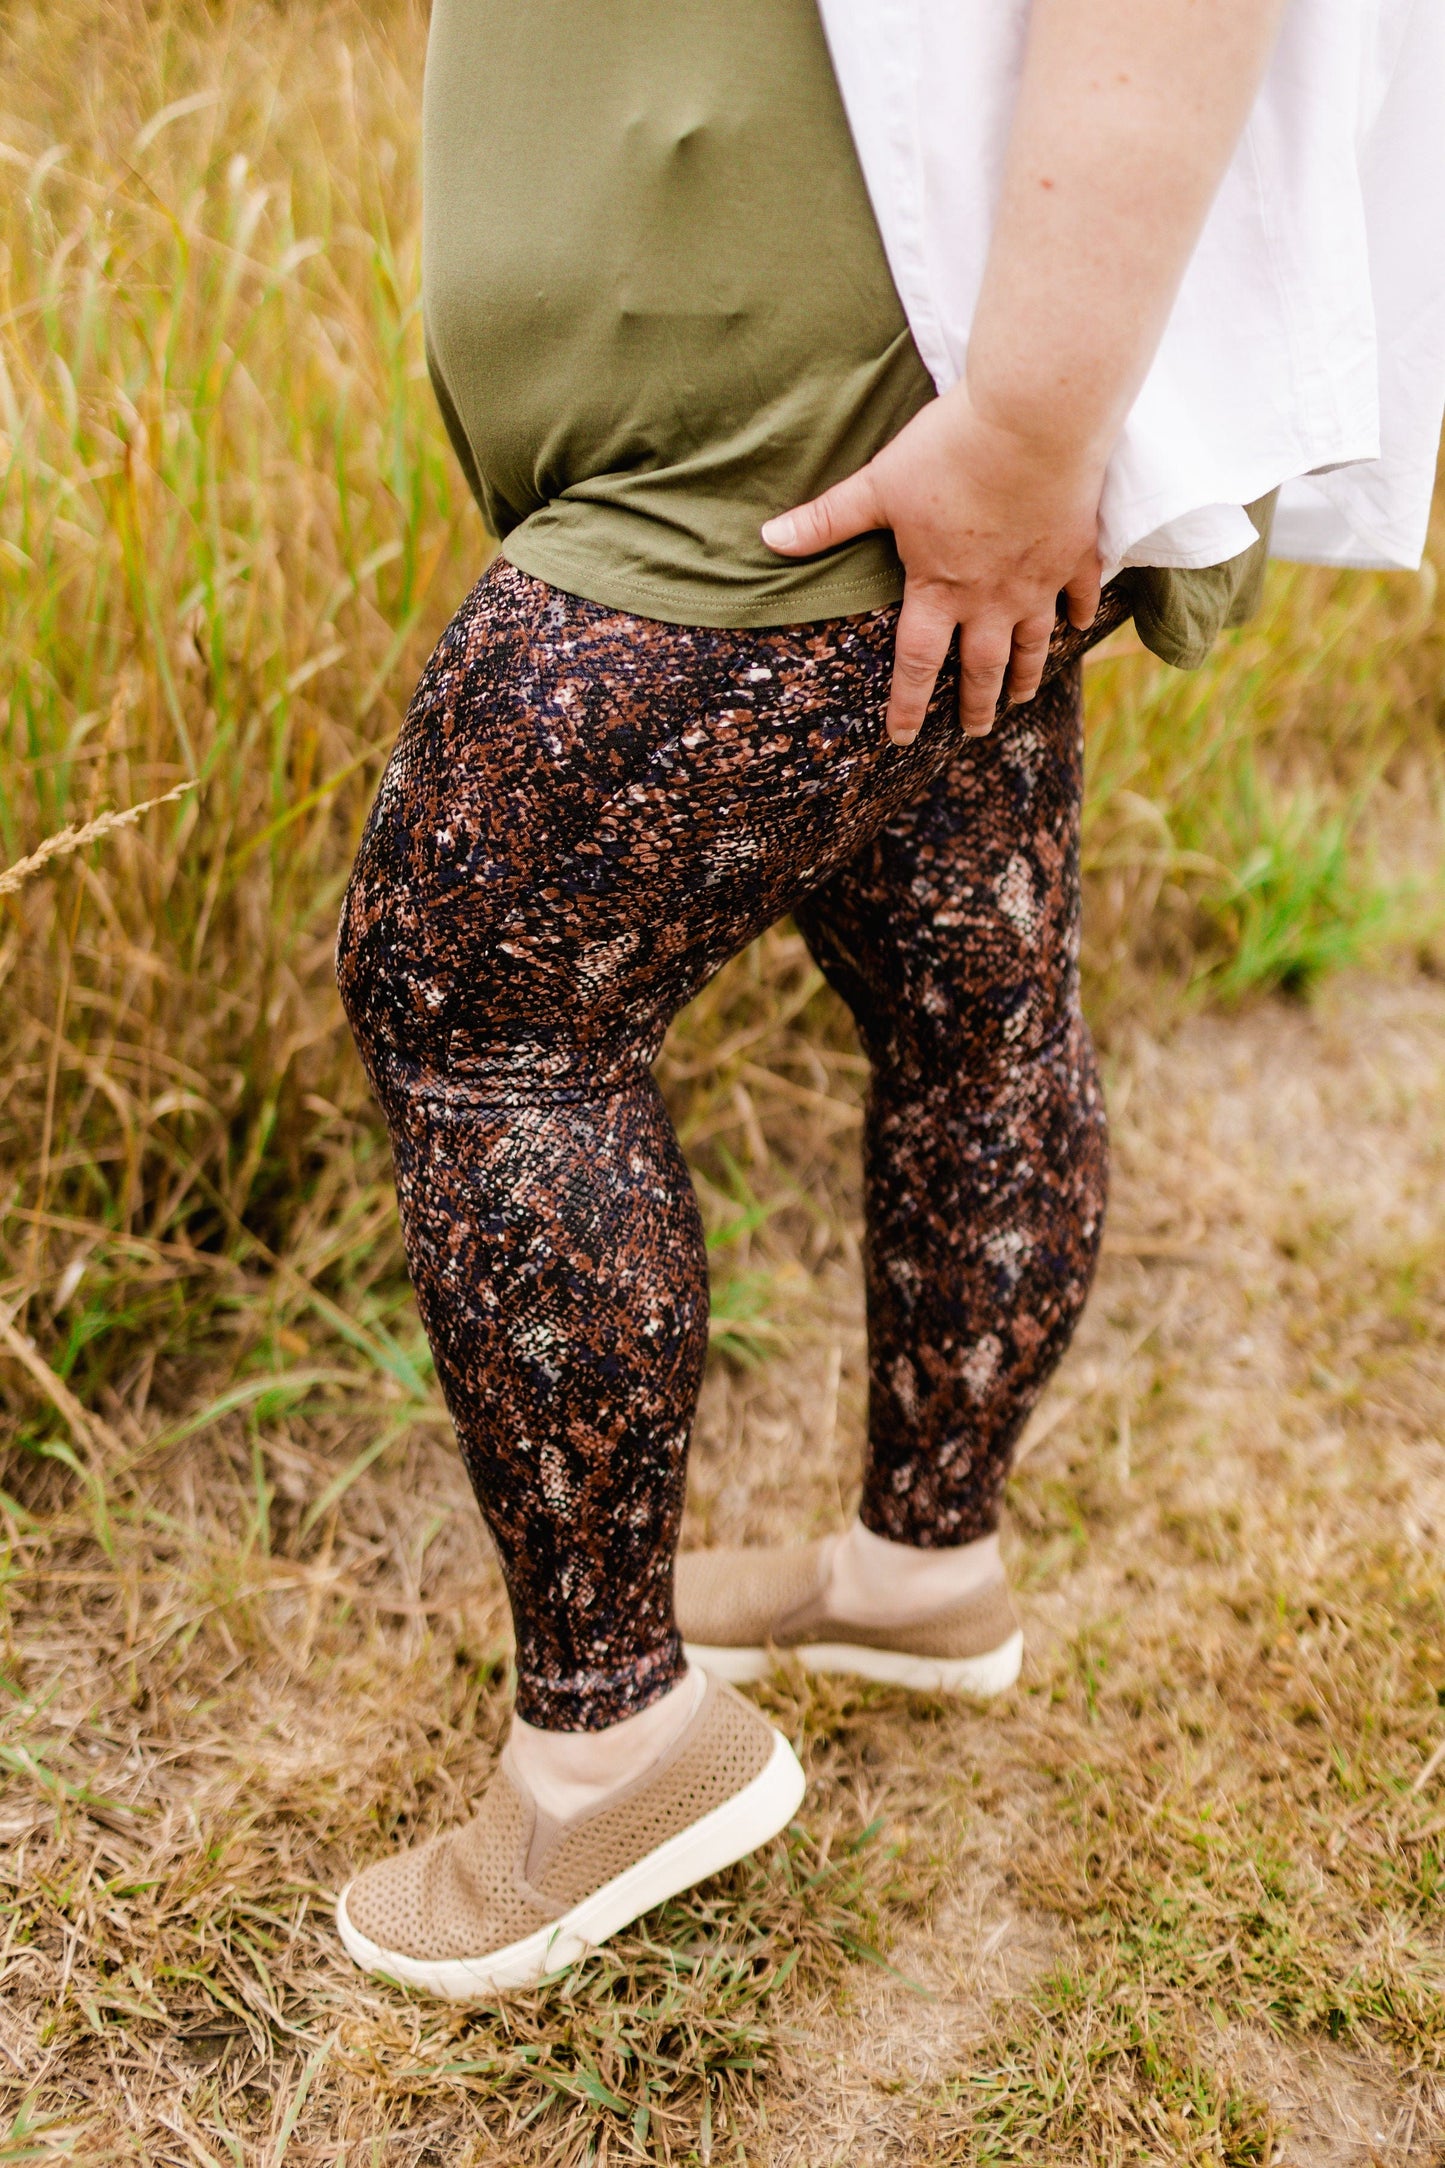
pixel 685 605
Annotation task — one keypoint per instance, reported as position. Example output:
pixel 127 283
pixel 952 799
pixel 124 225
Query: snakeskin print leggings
pixel 585 816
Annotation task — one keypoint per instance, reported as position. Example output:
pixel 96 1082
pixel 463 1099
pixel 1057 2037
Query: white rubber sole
pixel 727 1833
pixel 982 1676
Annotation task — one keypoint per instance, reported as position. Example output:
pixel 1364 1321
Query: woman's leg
pixel 585 816
pixel 953 936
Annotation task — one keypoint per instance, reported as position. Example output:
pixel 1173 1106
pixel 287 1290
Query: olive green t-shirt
pixel 657 305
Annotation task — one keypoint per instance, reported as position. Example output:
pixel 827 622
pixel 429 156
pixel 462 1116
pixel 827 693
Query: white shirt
pixel 1306 346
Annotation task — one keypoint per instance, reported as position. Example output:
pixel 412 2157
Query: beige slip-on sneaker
pixel 736 1608
pixel 515 1894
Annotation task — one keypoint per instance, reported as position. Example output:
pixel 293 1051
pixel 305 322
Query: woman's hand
pixel 992 526
pixel 1127 113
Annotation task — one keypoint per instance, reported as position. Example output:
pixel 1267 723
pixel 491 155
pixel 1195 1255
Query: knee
pixel 984 1042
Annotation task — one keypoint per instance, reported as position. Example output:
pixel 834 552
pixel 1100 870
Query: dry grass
pixel 1174 1901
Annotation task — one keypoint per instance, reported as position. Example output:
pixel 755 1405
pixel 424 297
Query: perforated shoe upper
pixel 461 1894
pixel 745 1598
pixel 512 1869
pixel 774 1597
pixel 725 1746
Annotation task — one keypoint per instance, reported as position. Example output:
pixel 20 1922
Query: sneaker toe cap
pixel 457 1896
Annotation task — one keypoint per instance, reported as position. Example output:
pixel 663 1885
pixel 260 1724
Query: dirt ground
pixel 1258 1389
pixel 1189 1860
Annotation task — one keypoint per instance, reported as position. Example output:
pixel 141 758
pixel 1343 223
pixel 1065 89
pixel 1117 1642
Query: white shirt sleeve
pixel 1306 347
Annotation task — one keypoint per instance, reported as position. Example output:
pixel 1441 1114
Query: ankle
pixel 875 1582
pixel 573 1772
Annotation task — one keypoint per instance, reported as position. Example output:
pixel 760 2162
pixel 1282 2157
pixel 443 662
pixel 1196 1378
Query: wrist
pixel 1060 433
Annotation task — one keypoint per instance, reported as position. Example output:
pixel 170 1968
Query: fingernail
pixel 902 738
pixel 977 730
pixel 780 533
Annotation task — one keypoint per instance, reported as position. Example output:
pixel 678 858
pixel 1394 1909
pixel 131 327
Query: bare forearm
pixel 1128 113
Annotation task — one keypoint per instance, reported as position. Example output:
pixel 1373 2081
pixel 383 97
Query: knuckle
pixel 916 669
pixel 982 670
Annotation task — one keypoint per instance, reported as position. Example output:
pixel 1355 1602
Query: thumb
pixel 850 507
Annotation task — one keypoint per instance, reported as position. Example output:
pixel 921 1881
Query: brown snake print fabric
pixel 586 814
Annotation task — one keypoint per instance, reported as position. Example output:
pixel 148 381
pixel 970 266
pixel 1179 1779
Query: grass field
pixel 1176 1899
